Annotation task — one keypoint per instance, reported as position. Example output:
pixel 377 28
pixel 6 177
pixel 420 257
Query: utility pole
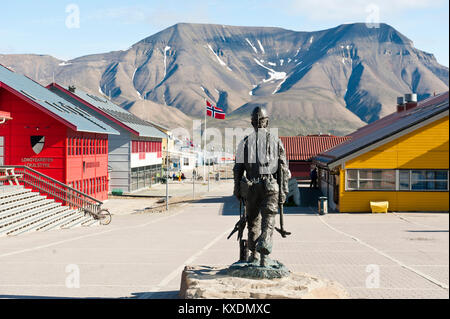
pixel 167 180
pixel 194 175
pixel 226 170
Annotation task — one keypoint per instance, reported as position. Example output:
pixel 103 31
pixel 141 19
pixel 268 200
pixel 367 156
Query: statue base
pixel 274 269
pixel 205 282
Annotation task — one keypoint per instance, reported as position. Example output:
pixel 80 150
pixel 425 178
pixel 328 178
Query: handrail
pixel 51 187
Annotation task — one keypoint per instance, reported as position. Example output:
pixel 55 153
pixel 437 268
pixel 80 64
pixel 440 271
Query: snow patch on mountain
pixel 167 48
pixel 261 47
pixel 279 86
pixel 273 75
pixel 218 58
pixel 132 81
pixel 251 44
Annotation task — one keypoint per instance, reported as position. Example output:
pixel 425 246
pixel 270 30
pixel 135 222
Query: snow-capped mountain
pixel 333 80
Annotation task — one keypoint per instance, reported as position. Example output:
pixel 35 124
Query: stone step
pixel 24 208
pixel 31 220
pixel 76 221
pixel 47 204
pixel 40 223
pixel 92 222
pixel 13 192
pixel 56 224
pixel 22 200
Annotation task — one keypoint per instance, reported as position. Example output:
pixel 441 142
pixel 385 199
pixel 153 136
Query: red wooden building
pixel 301 149
pixel 135 156
pixel 53 136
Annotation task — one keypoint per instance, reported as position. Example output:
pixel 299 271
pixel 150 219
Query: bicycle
pixel 103 216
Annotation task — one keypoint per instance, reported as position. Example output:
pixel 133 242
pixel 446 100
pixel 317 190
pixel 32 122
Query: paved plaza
pixel 142 253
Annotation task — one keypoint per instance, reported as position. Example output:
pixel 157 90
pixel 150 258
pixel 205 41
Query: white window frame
pixel 358 179
pixel 425 180
pixel 397 181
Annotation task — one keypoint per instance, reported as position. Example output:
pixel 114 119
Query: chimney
pixel 401 104
pixel 411 100
pixel 72 88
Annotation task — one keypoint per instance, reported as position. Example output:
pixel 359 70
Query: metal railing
pixel 56 190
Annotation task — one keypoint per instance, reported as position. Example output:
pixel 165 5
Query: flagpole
pixel 204 147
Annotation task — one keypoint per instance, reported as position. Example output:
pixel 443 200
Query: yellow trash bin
pixel 379 207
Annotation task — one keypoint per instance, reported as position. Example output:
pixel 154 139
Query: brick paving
pixel 142 255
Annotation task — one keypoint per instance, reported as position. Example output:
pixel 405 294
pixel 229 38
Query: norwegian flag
pixel 214 111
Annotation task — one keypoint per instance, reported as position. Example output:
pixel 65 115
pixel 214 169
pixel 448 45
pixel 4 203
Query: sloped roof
pixel 304 148
pixel 113 112
pixel 67 113
pixel 386 127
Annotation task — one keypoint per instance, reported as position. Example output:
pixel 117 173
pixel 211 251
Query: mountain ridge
pixel 333 80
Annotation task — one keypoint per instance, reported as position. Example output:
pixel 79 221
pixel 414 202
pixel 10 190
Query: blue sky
pixel 51 27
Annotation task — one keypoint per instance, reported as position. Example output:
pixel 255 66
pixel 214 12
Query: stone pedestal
pixel 198 282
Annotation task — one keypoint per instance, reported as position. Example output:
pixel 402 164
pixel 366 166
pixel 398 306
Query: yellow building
pixel 402 158
pixel 167 144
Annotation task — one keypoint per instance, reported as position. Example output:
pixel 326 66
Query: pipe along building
pixel 77 138
pixel 402 158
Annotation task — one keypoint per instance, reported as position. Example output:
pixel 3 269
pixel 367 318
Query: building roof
pixel 113 112
pixel 50 103
pixel 304 148
pixel 393 125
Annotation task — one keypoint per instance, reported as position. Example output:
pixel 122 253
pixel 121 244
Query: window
pixel 79 146
pixel 69 146
pixel 402 180
pixel 370 179
pixel 423 180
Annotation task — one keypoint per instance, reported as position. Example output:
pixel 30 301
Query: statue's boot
pixel 254 258
pixel 265 261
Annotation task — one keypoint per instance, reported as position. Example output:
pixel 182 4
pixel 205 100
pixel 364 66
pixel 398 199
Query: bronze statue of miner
pixel 261 178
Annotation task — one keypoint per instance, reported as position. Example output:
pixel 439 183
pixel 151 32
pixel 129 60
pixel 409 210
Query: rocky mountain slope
pixel 329 81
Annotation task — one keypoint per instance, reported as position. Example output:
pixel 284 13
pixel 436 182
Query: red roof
pixel 303 148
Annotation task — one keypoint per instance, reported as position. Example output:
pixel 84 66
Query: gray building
pixel 135 156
